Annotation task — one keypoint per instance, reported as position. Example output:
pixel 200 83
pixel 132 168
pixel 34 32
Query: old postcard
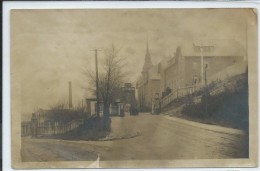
pixel 134 88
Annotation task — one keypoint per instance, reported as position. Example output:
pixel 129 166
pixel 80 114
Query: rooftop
pixel 213 47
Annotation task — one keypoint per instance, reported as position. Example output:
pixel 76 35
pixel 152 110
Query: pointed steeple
pixel 147 47
pixel 147 60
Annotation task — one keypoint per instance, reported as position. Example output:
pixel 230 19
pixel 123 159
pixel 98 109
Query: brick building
pixel 192 61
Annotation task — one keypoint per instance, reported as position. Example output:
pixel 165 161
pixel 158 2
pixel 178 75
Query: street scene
pixel 120 85
pixel 159 138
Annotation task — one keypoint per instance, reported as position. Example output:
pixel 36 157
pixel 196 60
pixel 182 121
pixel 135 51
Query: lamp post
pixel 202 63
pixel 206 66
pixel 206 90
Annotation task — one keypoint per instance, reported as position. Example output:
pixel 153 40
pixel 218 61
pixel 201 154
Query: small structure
pixel 92 107
pixel 116 108
pixel 127 96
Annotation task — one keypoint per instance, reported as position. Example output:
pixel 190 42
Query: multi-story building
pixel 148 84
pixel 194 63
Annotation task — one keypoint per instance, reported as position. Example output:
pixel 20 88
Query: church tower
pixel 147 62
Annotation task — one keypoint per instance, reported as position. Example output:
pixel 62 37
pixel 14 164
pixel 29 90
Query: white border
pixel 7 6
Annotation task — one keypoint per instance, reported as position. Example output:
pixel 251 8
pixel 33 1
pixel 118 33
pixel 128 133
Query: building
pixel 92 107
pixel 34 125
pixel 115 108
pixel 26 128
pixel 201 62
pixel 127 96
pixel 148 84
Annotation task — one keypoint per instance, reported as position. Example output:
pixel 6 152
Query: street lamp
pixel 206 66
pixel 202 62
pixel 206 90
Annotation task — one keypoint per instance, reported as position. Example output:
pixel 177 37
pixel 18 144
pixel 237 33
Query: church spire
pixel 148 61
pixel 147 47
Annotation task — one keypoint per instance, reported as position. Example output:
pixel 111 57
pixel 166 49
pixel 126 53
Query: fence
pixel 215 87
pixel 178 93
pixel 57 128
pixel 49 128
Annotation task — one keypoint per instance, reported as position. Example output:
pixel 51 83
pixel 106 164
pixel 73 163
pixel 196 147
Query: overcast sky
pixel 49 48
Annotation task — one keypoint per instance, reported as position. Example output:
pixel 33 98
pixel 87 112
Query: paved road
pixel 161 138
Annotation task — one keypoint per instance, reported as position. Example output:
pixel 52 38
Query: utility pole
pixel 97 82
pixel 70 95
pixel 202 63
pixel 246 42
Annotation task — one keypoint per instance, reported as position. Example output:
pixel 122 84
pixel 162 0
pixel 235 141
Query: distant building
pixel 34 125
pixel 26 128
pixel 127 96
pixel 148 84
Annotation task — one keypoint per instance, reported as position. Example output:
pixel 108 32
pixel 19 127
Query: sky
pixel 49 48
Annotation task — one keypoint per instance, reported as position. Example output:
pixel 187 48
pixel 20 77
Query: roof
pixel 213 47
pixel 153 74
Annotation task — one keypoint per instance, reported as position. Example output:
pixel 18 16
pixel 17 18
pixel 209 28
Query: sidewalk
pixel 214 128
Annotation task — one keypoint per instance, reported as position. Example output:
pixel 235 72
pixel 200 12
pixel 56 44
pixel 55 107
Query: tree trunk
pixel 106 116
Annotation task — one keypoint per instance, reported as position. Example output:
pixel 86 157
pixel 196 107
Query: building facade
pixel 196 65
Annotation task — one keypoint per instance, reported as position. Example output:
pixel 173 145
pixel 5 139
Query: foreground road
pixel 160 138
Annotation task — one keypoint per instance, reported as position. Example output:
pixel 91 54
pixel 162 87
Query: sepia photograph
pixel 134 88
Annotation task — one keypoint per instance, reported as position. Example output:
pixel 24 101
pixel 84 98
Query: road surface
pixel 160 138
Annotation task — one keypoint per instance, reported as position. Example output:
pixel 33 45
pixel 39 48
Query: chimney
pixel 70 95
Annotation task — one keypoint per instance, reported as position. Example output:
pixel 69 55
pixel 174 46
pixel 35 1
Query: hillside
pixel 224 103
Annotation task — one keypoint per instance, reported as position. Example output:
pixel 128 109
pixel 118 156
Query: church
pixel 148 84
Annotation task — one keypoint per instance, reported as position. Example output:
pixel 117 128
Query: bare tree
pixel 111 78
pixel 59 112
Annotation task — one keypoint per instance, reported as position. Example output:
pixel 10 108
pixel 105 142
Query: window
pixel 195 65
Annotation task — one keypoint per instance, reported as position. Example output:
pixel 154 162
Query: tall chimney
pixel 70 95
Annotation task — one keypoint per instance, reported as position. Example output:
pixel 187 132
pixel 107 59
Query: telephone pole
pixel 97 82
pixel 70 95
pixel 202 63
